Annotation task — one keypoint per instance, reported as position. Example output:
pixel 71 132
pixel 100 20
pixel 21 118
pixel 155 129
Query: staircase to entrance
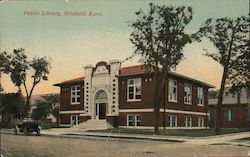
pixel 94 124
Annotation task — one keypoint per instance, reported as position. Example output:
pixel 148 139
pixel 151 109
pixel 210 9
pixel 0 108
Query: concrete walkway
pixel 219 139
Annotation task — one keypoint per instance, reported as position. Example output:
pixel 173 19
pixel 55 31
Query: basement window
pixel 200 122
pixel 133 120
pixel 172 121
pixel 188 121
pixel 229 115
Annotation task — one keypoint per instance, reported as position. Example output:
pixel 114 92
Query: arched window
pixel 101 95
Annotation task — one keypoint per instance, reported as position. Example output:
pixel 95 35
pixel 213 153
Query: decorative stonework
pixel 101 70
pixel 102 77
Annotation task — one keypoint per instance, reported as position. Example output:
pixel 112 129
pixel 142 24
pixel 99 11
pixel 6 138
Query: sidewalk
pixel 83 133
pixel 218 139
pixel 209 140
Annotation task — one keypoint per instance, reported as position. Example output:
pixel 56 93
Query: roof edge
pixel 175 74
pixel 72 81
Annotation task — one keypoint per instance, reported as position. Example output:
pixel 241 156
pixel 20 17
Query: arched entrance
pixel 101 104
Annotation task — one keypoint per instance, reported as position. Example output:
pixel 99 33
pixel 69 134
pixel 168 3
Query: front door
pixel 102 110
pixel 101 104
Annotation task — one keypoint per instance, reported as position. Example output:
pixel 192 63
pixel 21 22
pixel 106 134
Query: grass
pixel 172 132
pixel 50 125
pixel 217 144
pixel 243 139
pixel 23 153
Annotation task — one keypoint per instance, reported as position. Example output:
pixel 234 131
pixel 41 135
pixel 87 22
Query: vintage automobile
pixel 28 127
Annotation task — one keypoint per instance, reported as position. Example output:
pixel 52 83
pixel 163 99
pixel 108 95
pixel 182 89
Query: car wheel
pixel 25 131
pixel 38 132
pixel 15 131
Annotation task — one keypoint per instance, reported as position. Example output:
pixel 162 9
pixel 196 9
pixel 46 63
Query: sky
pixel 71 42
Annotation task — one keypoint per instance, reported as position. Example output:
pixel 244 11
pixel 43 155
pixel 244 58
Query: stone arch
pixel 101 99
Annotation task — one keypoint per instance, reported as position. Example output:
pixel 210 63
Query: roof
pixel 231 98
pixel 140 69
pixel 134 70
pixel 71 81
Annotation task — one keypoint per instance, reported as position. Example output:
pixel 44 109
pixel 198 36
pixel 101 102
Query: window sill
pixel 78 103
pixel 201 105
pixel 174 101
pixel 133 100
pixel 187 103
pixel 133 126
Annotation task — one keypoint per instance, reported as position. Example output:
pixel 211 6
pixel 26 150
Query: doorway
pixel 101 110
pixel 101 104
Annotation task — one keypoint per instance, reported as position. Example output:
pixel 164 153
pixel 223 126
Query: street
pixel 44 146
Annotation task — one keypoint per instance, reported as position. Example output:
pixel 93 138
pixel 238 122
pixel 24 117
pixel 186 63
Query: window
pixel 229 115
pixel 212 115
pixel 200 96
pixel 134 120
pixel 187 94
pixel 248 113
pixel 188 121
pixel 74 120
pixel 138 120
pixel 200 122
pixel 134 89
pixel 131 120
pixel 172 121
pixel 75 94
pixel 172 90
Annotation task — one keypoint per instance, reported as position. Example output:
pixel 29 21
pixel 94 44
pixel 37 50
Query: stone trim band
pixel 162 110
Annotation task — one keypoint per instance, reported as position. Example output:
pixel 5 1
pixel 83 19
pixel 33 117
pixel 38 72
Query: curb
pixel 130 137
pixel 102 137
pixel 116 136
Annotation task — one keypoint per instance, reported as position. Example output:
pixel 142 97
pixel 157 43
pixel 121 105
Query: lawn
pixel 243 139
pixel 172 132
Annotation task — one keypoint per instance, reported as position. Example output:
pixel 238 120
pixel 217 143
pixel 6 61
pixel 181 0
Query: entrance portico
pixel 101 104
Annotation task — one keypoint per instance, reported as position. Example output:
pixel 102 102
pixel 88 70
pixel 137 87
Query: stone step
pixel 93 124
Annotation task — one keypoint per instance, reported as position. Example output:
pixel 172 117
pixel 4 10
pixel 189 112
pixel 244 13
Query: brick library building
pixel 123 97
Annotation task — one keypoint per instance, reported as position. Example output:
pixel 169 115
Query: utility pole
pixel 1 88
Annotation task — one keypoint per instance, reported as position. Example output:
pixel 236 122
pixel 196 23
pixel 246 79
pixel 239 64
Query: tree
pixel 213 94
pixel 56 113
pixel 4 65
pixel 18 68
pixel 42 111
pixel 53 100
pixel 239 75
pixel 158 38
pixel 11 104
pixel 231 38
pixel 4 62
pixel 46 106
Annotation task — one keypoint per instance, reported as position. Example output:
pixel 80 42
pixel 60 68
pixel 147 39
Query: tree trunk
pixel 157 100
pixel 164 103
pixel 26 113
pixel 220 99
pixel 222 86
